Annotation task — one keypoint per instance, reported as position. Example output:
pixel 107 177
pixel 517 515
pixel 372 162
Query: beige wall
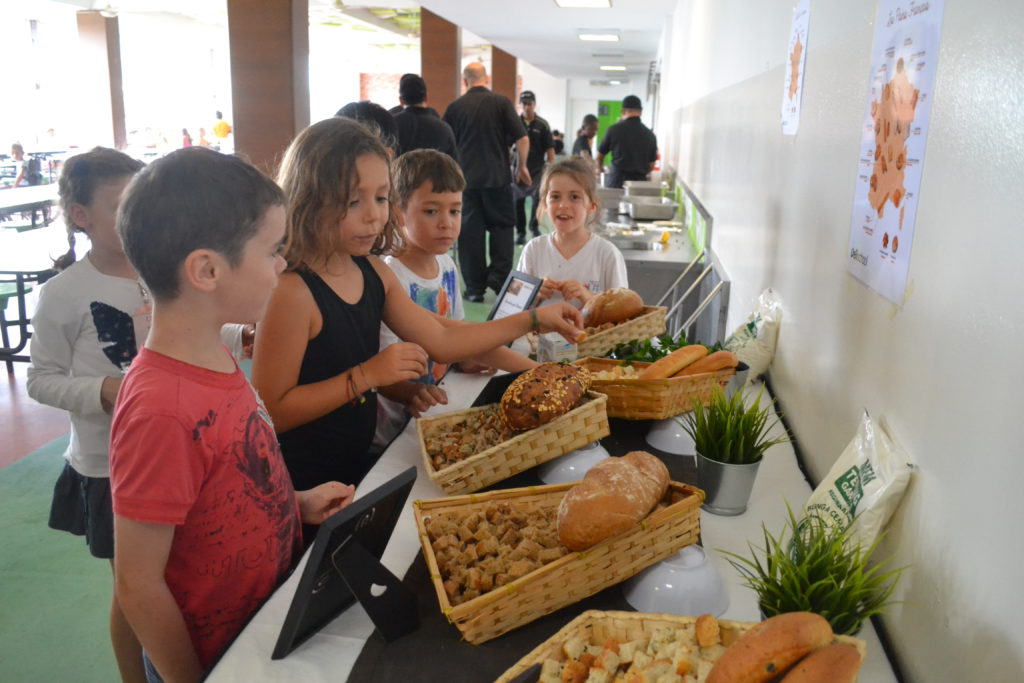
pixel 943 370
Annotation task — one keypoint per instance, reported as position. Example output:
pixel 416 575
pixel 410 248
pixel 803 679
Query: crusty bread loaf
pixel 713 362
pixel 835 663
pixel 674 362
pixel 612 306
pixel 543 393
pixel 771 648
pixel 614 495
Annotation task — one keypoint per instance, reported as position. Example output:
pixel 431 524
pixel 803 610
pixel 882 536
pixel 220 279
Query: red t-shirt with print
pixel 195 448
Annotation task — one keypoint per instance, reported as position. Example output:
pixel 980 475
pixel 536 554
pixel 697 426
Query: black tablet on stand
pixel 517 294
pixel 344 566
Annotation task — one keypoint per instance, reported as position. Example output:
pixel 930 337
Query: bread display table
pixel 434 652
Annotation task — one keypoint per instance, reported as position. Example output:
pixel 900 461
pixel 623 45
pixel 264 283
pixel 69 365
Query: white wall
pixel 551 92
pixel 942 369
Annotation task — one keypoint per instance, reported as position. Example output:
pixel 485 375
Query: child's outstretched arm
pixel 140 558
pixel 451 344
pixel 292 319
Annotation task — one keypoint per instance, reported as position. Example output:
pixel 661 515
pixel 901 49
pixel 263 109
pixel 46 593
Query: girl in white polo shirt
pixel 574 263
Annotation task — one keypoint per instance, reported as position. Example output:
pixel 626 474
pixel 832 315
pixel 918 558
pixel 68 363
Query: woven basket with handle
pixel 584 424
pixel 570 578
pixel 653 399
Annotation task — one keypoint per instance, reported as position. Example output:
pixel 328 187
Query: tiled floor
pixel 24 424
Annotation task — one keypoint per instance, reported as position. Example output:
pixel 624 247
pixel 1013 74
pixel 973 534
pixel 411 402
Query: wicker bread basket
pixel 653 399
pixel 570 578
pixel 648 324
pixel 584 424
pixel 596 627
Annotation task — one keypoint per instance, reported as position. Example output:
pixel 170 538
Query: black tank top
pixel 335 447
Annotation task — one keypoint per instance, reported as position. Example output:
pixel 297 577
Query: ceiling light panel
pixel 591 4
pixel 600 37
pixel 612 67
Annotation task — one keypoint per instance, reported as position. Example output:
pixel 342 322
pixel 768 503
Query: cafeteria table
pixel 33 200
pixel 347 648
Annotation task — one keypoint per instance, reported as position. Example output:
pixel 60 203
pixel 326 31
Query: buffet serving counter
pixel 332 654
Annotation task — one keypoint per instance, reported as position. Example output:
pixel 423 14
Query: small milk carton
pixel 551 346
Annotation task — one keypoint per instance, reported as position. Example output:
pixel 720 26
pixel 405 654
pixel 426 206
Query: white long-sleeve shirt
pixel 598 265
pixel 89 326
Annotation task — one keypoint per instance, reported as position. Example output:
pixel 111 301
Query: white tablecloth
pixel 330 654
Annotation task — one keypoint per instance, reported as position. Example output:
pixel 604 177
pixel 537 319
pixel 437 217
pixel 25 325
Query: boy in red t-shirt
pixel 206 519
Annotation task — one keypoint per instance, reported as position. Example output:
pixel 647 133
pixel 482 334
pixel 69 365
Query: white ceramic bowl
pixel 687 583
pixel 573 465
pixel 669 436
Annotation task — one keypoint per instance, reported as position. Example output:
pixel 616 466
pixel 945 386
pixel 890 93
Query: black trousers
pixel 521 220
pixel 486 211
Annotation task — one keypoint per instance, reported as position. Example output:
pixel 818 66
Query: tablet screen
pixel 516 295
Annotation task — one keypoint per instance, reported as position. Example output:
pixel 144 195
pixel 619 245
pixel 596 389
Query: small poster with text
pixel 793 91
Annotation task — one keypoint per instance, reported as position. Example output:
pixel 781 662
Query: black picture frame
pixel 344 567
pixel 516 278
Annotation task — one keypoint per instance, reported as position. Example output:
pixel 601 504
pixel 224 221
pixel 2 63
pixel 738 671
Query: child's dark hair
pixel 413 169
pixel 577 169
pixel 80 177
pixel 318 174
pixel 193 198
pixel 375 117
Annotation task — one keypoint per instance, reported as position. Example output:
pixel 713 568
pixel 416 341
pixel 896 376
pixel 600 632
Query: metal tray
pixel 650 208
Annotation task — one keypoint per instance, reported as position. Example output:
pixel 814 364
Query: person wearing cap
pixel 486 126
pixel 419 126
pixel 542 148
pixel 633 146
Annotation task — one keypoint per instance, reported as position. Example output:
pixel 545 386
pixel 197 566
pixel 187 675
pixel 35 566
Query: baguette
pixel 674 362
pixel 713 362
pixel 836 663
pixel 614 495
pixel 771 648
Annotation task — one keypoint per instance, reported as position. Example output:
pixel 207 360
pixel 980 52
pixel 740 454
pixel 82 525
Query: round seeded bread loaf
pixel 543 393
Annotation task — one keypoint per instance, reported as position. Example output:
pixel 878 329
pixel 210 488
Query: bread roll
pixel 713 362
pixel 612 306
pixel 674 362
pixel 614 495
pixel 543 393
pixel 836 663
pixel 771 648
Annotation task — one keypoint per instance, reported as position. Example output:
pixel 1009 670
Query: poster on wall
pixel 903 63
pixel 793 91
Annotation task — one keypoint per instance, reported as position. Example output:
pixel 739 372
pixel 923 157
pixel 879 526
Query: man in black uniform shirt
pixel 633 146
pixel 419 126
pixel 542 146
pixel 486 126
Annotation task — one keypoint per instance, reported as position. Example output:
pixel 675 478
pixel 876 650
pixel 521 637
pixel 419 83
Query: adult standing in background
pixel 542 148
pixel 633 146
pixel 584 144
pixel 486 126
pixel 419 126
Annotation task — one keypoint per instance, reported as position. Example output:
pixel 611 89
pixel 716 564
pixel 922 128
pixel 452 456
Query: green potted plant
pixel 815 567
pixel 731 438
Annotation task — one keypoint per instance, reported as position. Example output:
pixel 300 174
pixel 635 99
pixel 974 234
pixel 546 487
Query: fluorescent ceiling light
pixel 606 67
pixel 584 3
pixel 605 37
pixel 614 82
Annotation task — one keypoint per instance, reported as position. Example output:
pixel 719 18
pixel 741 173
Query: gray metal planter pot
pixel 727 486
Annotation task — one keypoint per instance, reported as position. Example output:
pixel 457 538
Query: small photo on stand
pixel 344 567
pixel 517 294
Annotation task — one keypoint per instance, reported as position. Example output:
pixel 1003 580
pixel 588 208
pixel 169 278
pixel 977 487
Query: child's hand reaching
pixel 561 317
pixel 396 363
pixel 320 502
pixel 108 393
pixel 572 289
pixel 424 399
pixel 548 287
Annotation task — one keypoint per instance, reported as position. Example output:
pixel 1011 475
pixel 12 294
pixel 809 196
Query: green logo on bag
pixel 867 475
pixel 850 487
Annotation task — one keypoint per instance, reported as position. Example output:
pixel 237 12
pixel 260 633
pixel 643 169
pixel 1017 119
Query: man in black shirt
pixel 486 126
pixel 542 146
pixel 633 146
pixel 419 126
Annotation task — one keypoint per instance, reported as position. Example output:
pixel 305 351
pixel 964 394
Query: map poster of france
pixel 903 63
pixel 793 87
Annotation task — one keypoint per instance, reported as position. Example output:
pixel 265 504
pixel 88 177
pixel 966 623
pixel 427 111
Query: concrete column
pixel 100 63
pixel 269 76
pixel 440 59
pixel 503 78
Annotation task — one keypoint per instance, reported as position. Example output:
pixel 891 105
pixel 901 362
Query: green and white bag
pixel 865 484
